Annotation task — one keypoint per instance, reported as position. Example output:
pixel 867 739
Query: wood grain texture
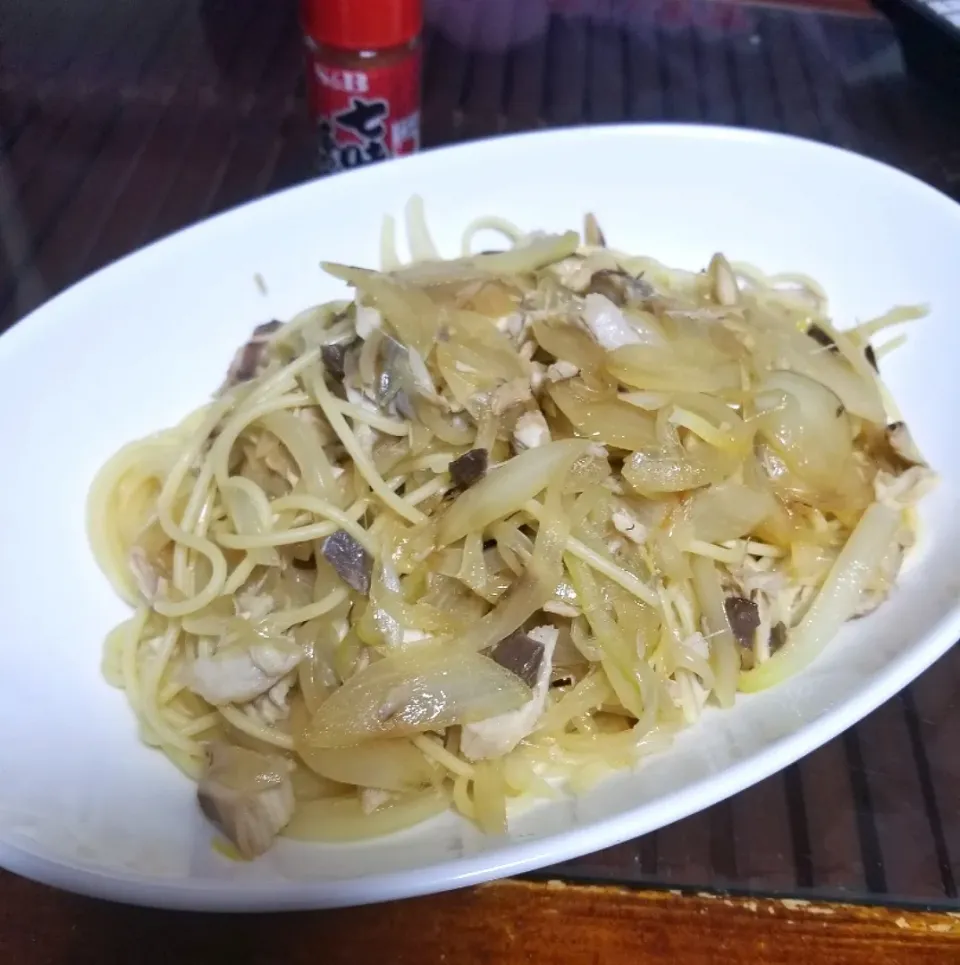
pixel 498 924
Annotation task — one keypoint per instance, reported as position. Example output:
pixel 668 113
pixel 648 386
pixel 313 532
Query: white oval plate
pixel 84 806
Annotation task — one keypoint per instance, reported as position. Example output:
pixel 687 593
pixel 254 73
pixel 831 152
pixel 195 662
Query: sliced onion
pixel 319 641
pixel 476 359
pixel 536 253
pixel 729 510
pixel 810 562
pixel 494 299
pixel 589 694
pixel 394 765
pixel 505 489
pixel 857 391
pixel 808 426
pixel 490 797
pixel 724 650
pixel 714 421
pixel 343 818
pixel 648 401
pixel 723 282
pixel 520 603
pixel 646 326
pixel 687 365
pixel 854 569
pixel 446 430
pixel 630 676
pixel 654 470
pixel 409 310
pixel 416 689
pixel 247 505
pixel 250 513
pixel 213 620
pixel 570 344
pixel 588 472
pixel 609 421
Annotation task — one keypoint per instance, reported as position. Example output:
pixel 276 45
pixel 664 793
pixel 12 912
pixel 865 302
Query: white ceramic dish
pixel 84 806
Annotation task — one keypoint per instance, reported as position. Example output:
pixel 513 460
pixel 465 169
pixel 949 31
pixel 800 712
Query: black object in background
pixel 929 33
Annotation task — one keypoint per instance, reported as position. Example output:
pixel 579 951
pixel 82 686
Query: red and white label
pixel 364 115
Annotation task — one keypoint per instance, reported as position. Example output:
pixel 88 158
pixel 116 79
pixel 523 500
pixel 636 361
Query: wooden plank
pixel 525 84
pixel 683 851
pixel 679 68
pixel 713 41
pixel 935 699
pixel 631 863
pixel 566 71
pixel 483 94
pixel 504 923
pixel 823 45
pixel 127 224
pixel 835 859
pixel 63 253
pixel 907 845
pixel 792 91
pixel 79 143
pixel 762 838
pixel 606 100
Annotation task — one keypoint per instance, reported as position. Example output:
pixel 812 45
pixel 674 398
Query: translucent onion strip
pixel 837 600
pixel 343 818
pixel 602 564
pixel 505 489
pixel 724 649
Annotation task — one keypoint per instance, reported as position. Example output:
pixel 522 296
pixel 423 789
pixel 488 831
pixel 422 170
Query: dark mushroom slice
pixel 724 287
pixel 592 233
pixel 901 442
pixel 822 338
pixel 469 468
pixel 249 359
pixel 351 561
pixel 826 340
pixel 395 382
pixel 744 617
pixel 520 654
pixel 334 358
pixel 619 287
pixel 778 636
pixel 267 328
pixel 248 795
pixel 393 372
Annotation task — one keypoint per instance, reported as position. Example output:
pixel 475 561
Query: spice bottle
pixel 363 78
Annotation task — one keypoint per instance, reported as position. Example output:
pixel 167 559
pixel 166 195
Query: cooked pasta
pixel 496 524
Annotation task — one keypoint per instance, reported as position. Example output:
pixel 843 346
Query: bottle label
pixel 364 114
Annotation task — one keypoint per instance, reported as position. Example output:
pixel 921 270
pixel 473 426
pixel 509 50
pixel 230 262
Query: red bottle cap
pixel 362 24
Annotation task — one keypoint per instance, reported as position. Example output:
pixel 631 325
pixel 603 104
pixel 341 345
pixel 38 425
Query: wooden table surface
pixel 505 923
pixel 121 121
